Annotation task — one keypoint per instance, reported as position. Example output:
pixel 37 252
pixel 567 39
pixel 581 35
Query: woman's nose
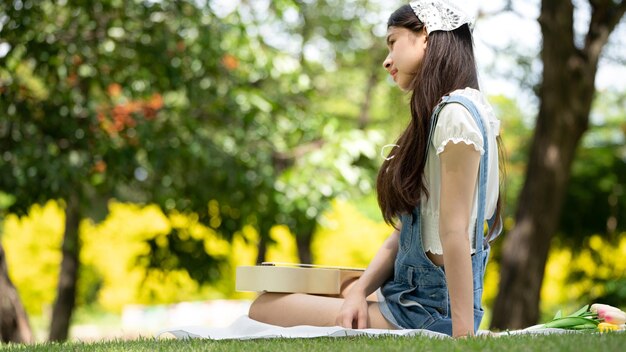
pixel 387 62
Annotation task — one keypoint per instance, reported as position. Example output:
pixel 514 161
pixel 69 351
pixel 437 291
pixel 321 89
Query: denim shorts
pixel 421 300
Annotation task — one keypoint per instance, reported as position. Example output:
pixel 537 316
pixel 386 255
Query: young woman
pixel 437 186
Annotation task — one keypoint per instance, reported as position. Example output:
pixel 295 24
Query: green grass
pixel 567 342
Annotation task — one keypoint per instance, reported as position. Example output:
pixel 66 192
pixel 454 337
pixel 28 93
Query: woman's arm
pixel 459 171
pixel 380 268
pixel 377 272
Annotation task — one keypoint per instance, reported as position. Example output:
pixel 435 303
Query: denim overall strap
pixel 482 170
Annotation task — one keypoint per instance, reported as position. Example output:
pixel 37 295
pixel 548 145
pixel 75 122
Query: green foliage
pixel 298 146
pixel 168 103
pixel 595 201
pixel 516 137
pixel 581 319
pixel 93 111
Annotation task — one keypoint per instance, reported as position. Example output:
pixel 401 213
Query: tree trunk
pixel 374 62
pixel 14 326
pixel 304 247
pixel 364 115
pixel 304 237
pixel 566 95
pixel 262 250
pixel 66 291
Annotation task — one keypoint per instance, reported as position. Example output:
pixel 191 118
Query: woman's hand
pixel 353 312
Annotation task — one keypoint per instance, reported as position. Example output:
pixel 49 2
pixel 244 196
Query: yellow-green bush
pixel 347 238
pixel 32 245
pixel 109 256
pixel 573 278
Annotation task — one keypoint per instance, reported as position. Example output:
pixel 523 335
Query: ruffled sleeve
pixel 456 125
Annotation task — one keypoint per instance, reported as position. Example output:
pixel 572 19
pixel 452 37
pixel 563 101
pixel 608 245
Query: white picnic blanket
pixel 245 328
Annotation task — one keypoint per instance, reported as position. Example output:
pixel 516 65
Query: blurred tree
pixel 566 94
pixel 14 325
pixel 301 150
pixel 598 179
pixel 168 103
pixel 85 99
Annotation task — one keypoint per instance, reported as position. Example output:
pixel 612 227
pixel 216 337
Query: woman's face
pixel 406 51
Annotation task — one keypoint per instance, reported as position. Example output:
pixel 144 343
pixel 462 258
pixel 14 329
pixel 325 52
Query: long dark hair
pixel 448 65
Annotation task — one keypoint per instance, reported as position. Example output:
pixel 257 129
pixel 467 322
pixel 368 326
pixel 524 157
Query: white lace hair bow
pixel 440 15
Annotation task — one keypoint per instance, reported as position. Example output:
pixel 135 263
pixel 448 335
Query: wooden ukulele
pixel 295 278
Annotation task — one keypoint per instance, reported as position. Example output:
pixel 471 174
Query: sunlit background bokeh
pixel 193 137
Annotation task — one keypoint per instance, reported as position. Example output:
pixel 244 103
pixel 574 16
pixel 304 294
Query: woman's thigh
pixel 303 309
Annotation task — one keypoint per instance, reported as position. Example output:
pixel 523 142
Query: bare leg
pixel 303 309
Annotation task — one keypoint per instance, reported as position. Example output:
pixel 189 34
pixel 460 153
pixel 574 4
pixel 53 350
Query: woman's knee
pixel 260 307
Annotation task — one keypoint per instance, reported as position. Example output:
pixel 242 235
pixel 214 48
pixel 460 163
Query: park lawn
pixel 567 342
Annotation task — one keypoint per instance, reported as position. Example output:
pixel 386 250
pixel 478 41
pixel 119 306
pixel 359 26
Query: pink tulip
pixel 601 308
pixel 613 317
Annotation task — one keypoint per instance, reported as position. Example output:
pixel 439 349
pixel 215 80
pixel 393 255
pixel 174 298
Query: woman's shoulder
pixel 455 111
pixel 480 102
pixel 456 123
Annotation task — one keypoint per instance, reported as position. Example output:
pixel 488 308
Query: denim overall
pixel 417 295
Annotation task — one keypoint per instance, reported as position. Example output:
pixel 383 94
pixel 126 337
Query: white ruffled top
pixel 456 125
